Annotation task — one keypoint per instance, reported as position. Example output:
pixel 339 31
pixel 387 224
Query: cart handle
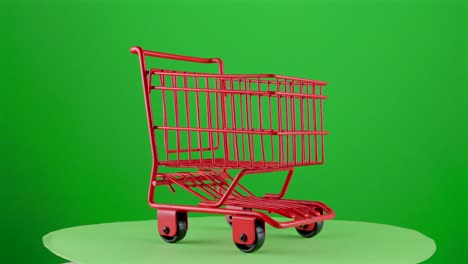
pixel 138 50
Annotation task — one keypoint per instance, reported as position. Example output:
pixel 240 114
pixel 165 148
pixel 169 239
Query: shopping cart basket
pixel 208 124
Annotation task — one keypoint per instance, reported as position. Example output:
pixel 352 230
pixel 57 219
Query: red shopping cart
pixel 208 125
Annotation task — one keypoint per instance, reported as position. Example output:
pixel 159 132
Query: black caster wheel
pixel 311 230
pixel 259 239
pixel 307 231
pixel 181 229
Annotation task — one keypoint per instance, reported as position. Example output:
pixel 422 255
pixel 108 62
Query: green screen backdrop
pixel 75 148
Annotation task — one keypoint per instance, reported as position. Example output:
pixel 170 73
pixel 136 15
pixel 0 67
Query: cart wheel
pixel 259 239
pixel 311 230
pixel 181 229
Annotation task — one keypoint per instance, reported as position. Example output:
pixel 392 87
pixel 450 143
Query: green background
pixel 75 148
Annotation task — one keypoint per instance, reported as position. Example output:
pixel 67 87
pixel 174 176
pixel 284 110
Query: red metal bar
pixel 260 113
pixel 210 124
pixel 146 89
pixel 270 112
pixel 291 133
pixel 244 155
pixel 248 105
pixel 314 114
pixel 166 136
pixel 293 126
pixel 288 129
pixel 309 120
pixel 176 110
pixel 284 188
pixel 237 76
pixel 238 131
pixel 234 184
pixel 200 143
pixel 187 120
pixel 322 128
pixel 280 126
pixel 234 123
pixel 220 163
pixel 246 92
pixel 301 106
pixel 274 223
pixel 139 50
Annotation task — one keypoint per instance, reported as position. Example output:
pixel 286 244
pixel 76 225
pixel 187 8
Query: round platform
pixel 209 241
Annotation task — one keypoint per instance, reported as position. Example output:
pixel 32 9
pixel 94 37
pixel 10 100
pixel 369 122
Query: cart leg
pixel 152 185
pixel 229 217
